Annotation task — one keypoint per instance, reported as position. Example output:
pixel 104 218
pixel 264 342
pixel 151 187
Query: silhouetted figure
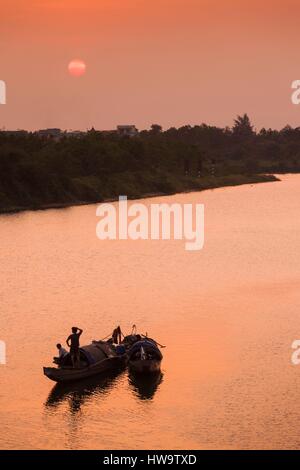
pixel 186 167
pixel 73 343
pixel 213 167
pixel 62 352
pixel 117 335
pixel 200 167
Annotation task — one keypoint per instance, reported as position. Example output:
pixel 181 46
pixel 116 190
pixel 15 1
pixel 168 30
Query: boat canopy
pixel 94 353
pixel 148 345
pixel 90 354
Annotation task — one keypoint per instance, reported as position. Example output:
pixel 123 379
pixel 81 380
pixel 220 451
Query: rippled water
pixel 228 315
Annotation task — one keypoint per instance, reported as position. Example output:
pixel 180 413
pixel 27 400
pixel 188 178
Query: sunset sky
pixel 171 62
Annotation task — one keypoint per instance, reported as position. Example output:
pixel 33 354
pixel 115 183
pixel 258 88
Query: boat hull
pixel 70 374
pixel 149 366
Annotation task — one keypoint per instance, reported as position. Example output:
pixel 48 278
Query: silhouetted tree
pixel 101 165
pixel 156 129
pixel 242 127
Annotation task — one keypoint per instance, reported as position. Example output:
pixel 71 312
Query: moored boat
pixel 144 356
pixel 95 358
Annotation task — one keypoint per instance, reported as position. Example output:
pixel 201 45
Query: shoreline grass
pixel 185 185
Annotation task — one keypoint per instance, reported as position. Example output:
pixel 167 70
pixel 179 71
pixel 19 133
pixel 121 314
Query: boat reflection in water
pixel 145 386
pixel 77 393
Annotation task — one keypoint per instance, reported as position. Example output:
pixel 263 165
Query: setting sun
pixel 77 68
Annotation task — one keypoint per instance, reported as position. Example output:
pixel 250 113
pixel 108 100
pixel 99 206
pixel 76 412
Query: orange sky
pixel 173 62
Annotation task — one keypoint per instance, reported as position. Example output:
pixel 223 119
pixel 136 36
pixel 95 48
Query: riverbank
pixel 38 173
pixel 184 184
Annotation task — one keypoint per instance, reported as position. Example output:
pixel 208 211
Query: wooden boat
pixel 95 359
pixel 144 357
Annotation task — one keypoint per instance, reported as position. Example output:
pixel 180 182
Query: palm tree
pixel 242 126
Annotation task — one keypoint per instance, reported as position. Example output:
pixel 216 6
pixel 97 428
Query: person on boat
pixel 62 352
pixel 73 343
pixel 117 335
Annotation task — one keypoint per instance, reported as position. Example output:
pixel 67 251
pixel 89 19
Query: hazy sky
pixel 171 62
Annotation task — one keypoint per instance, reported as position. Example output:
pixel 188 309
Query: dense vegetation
pixel 37 172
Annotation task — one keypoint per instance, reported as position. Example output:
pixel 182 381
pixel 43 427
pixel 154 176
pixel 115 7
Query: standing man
pixel 117 335
pixel 73 343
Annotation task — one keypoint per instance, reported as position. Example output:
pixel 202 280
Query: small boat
pixel 95 359
pixel 144 356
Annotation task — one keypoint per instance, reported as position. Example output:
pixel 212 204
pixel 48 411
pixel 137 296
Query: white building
pixel 128 130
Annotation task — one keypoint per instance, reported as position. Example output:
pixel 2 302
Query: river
pixel 227 315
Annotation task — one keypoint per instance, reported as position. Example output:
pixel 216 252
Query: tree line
pixel 36 172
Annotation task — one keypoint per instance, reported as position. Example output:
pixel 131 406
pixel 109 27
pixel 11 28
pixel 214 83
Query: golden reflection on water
pixel 228 315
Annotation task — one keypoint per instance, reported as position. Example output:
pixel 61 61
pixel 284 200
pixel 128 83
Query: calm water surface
pixel 228 315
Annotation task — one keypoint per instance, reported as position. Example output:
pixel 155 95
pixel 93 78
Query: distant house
pixel 127 131
pixel 77 134
pixel 17 133
pixel 55 134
